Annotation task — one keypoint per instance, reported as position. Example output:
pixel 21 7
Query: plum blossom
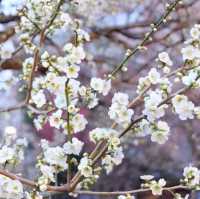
pixel 191 176
pixel 153 110
pixel 66 19
pixel 197 112
pixel 7 154
pixel 190 53
pixel 165 59
pixel 12 187
pixel 195 32
pixel 102 133
pixel 146 177
pixel 75 54
pixel 100 85
pixel 119 110
pixel 154 76
pixel 190 78
pixel 85 167
pixel 183 107
pixel 160 132
pixel 79 123
pixel 55 119
pixel 73 147
pixel 72 71
pixel 6 49
pixel 7 79
pixel 38 98
pixel 157 187
pixel 55 156
pixel 48 171
pixel 10 134
pixel 39 122
pixel 59 88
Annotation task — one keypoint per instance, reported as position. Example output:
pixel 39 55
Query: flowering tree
pixel 57 95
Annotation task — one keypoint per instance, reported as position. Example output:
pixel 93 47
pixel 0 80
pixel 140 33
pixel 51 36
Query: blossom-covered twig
pixel 60 90
pixel 154 27
pixel 135 191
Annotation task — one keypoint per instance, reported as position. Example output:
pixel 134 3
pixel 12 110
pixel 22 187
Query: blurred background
pixel 114 26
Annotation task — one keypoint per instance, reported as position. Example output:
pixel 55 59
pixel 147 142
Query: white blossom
pixel 85 167
pixel 164 58
pixel 7 79
pixel 118 156
pixel 120 98
pixel 48 171
pixel 144 82
pixel 6 49
pixel 100 85
pixel 197 112
pixel 195 32
pixel 79 123
pixel 157 187
pixel 55 119
pixel 146 177
pixel 38 98
pixel 153 110
pixel 13 187
pixel 119 110
pixel 72 71
pixel 160 132
pixel 190 53
pixel 65 18
pixel 154 76
pixel 191 176
pixel 190 78
pixel 39 121
pixel 55 156
pixel 83 35
pixel 75 54
pixel 73 147
pixel 10 134
pixel 183 107
pixel 7 154
pixel 60 101
pixel 102 133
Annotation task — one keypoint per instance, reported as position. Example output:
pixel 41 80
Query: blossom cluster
pixel 155 186
pixel 12 150
pixel 119 111
pixel 54 159
pixel 10 188
pixel 59 95
pixel 191 177
pixel 154 108
pixel 114 155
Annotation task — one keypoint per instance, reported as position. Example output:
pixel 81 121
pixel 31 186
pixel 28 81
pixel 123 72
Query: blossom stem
pixel 135 191
pixel 103 149
pixel 146 38
pixel 148 35
pixel 69 188
pixel 30 183
pixel 68 130
pixel 95 153
pixel 25 103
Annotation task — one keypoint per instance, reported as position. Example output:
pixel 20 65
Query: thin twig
pixel 146 38
pixel 68 130
pixel 114 193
